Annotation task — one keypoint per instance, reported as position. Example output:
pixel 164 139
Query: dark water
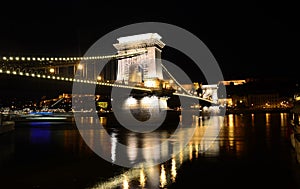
pixel 251 150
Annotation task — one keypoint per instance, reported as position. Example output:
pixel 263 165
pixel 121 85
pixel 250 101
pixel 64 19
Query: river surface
pixel 234 151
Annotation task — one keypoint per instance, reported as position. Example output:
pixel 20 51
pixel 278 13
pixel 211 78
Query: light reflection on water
pixel 161 175
pixel 231 135
pixel 62 146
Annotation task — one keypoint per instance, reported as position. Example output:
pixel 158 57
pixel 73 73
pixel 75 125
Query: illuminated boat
pixel 45 116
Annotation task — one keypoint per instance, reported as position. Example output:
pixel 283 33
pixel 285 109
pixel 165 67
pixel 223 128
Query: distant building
pixel 255 94
pixel 233 82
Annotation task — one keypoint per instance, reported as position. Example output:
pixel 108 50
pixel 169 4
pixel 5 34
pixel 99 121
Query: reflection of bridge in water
pixel 160 175
pixel 137 64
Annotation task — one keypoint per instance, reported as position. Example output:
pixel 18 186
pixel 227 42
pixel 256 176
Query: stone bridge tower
pixel 144 68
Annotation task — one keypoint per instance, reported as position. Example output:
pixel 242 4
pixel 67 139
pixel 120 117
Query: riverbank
pixel 6 124
pixel 250 111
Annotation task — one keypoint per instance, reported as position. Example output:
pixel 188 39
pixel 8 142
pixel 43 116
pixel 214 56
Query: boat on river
pixel 44 116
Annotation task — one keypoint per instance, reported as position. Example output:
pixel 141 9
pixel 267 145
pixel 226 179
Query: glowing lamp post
pixel 52 70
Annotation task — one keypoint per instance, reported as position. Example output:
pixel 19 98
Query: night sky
pixel 248 38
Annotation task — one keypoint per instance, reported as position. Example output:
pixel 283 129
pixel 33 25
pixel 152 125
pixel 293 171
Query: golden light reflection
pixel 181 156
pixel 163 177
pixel 238 119
pixel 142 178
pixel 173 170
pixel 268 119
pixel 252 119
pixel 196 150
pixel 191 151
pixel 103 121
pixel 283 119
pixel 91 120
pixel 231 130
pixel 125 182
pixel 230 120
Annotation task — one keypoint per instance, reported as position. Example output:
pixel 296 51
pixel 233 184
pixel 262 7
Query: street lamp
pixel 80 67
pixel 52 70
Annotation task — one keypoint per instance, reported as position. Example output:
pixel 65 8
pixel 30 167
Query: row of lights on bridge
pixel 69 79
pixel 53 58
pixel 17 58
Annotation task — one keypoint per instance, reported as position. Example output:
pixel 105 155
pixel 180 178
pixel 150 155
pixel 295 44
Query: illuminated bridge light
pixel 79 65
